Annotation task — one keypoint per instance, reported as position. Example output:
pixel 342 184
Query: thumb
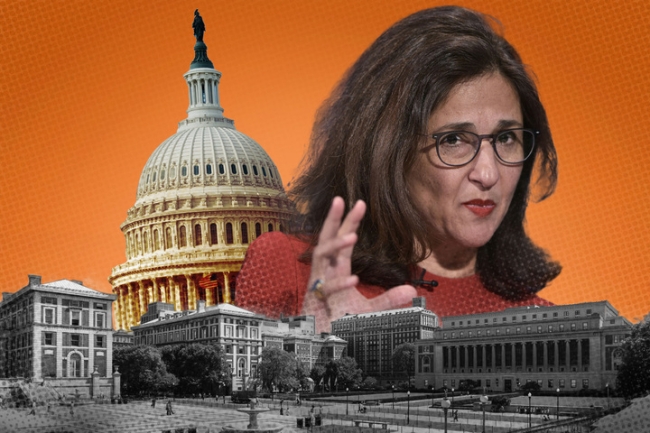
pixel 393 298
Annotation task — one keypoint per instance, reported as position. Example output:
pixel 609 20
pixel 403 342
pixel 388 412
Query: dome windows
pixel 213 234
pixel 196 170
pixel 156 240
pixel 258 230
pixel 244 233
pixel 270 227
pixel 172 172
pixel 162 174
pixel 198 238
pixel 255 172
pixel 229 237
pixel 244 168
pixel 233 168
pixel 154 176
pixel 208 169
pixel 182 237
pixel 184 171
pixel 264 171
pixel 271 172
pixel 222 169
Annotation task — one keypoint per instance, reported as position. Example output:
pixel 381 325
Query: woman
pixel 430 139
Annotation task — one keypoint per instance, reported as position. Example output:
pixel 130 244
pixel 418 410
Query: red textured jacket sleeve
pixel 272 281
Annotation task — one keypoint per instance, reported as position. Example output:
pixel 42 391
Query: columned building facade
pixel 372 337
pixel 570 347
pixel 204 194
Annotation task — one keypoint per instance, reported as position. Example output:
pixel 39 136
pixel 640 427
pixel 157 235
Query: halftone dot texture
pixel 90 89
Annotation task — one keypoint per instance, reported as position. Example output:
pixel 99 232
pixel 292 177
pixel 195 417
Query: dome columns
pixel 203 90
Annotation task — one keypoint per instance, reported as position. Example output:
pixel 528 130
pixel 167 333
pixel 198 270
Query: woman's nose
pixel 485 171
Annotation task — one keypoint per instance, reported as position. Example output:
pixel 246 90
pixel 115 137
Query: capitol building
pixel 204 194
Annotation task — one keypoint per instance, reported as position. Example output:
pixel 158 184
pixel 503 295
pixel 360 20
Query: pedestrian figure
pixel 224 397
pixel 33 411
pixel 72 409
pixel 153 402
pixel 202 396
pixel 312 409
pixel 49 407
pixel 456 415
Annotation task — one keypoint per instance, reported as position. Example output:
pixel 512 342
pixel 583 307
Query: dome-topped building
pixel 204 194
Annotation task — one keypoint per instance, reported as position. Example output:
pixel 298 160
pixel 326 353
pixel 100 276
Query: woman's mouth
pixel 481 208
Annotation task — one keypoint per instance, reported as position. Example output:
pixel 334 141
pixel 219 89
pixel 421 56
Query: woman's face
pixel 463 206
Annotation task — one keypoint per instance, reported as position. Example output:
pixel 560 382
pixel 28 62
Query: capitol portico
pixel 204 194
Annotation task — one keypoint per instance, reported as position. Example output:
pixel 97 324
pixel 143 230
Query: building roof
pixel 179 316
pixel 385 313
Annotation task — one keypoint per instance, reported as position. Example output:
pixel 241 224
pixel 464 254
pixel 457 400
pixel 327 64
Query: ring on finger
pixel 317 289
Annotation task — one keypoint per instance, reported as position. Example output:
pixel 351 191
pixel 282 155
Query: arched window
pixel 271 172
pixel 172 172
pixel 198 239
pixel 258 230
pixel 229 238
pixel 255 172
pixel 208 169
pixel 75 365
pixel 184 171
pixel 196 170
pixel 162 175
pixel 213 234
pixel 138 245
pixel 154 176
pixel 168 238
pixel 264 171
pixel 244 233
pixel 182 237
pixel 222 170
pixel 156 240
pixel 129 245
pixel 233 168
pixel 243 167
pixel 145 240
pixel 270 227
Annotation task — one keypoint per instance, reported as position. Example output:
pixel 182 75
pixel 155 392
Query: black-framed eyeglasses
pixel 512 146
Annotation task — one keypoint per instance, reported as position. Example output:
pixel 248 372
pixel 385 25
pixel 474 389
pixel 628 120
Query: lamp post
pixel 445 407
pixel 607 388
pixel 530 420
pixel 558 404
pixel 346 400
pixel 281 409
pixel 408 407
pixel 484 401
pixel 393 388
pixel 452 397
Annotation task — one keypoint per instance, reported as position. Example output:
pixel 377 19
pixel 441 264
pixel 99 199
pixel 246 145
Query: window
pixel 182 237
pixel 49 316
pixel 585 325
pixel 100 341
pixel 528 329
pixel 566 314
pixel 534 316
pixel 255 172
pixel 244 233
pixel 574 383
pixel 75 340
pixel 198 238
pixel 562 327
pixel 222 169
pixel 75 318
pixel 244 169
pixel 156 240
pixel 208 169
pixel 213 234
pixel 48 339
pixel 258 230
pixel 196 170
pixel 233 168
pixel 573 326
pixel 184 171
pixel 518 330
pixel 577 312
pixel 99 320
pixel 229 237
pixel 270 227
pixel 264 171
pixel 168 237
pixel 550 328
pixel 588 311
pixel 550 383
pixel 539 329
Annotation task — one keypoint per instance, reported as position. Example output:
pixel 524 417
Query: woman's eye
pixel 508 137
pixel 453 139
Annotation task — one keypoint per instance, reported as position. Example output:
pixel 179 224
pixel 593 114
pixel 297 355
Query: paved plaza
pixel 208 416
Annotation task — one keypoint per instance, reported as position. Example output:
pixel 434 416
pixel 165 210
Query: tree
pixel 633 379
pixel 199 367
pixel 317 374
pixel 404 360
pixel 348 374
pixel 277 369
pixel 369 383
pixel 531 386
pixel 143 370
pixel 302 374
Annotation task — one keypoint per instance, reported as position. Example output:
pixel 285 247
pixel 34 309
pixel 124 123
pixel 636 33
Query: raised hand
pixel 331 291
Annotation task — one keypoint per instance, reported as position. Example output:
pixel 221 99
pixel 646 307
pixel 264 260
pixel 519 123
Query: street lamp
pixel 607 388
pixel 452 397
pixel 530 420
pixel 393 388
pixel 346 400
pixel 484 400
pixel 558 404
pixel 281 409
pixel 408 406
pixel 445 407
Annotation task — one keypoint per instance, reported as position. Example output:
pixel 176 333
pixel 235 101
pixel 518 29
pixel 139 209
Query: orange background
pixel 89 89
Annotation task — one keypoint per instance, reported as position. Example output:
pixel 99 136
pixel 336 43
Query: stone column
pixel 177 297
pixel 191 293
pixel 95 391
pixel 226 288
pixel 156 294
pixel 142 298
pixel 116 384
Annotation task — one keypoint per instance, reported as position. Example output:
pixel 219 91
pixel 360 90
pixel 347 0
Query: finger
pixel 393 298
pixel 334 285
pixel 327 250
pixel 332 222
pixel 353 218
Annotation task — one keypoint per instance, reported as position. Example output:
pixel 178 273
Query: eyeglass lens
pixel 459 147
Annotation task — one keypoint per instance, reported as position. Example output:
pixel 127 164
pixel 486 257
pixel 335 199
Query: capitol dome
pixel 204 195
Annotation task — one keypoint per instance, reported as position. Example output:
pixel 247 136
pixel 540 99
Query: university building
pixel 372 337
pixel 204 194
pixel 55 330
pixel 243 335
pixel 570 347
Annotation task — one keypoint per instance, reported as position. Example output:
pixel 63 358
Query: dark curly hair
pixel 367 135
